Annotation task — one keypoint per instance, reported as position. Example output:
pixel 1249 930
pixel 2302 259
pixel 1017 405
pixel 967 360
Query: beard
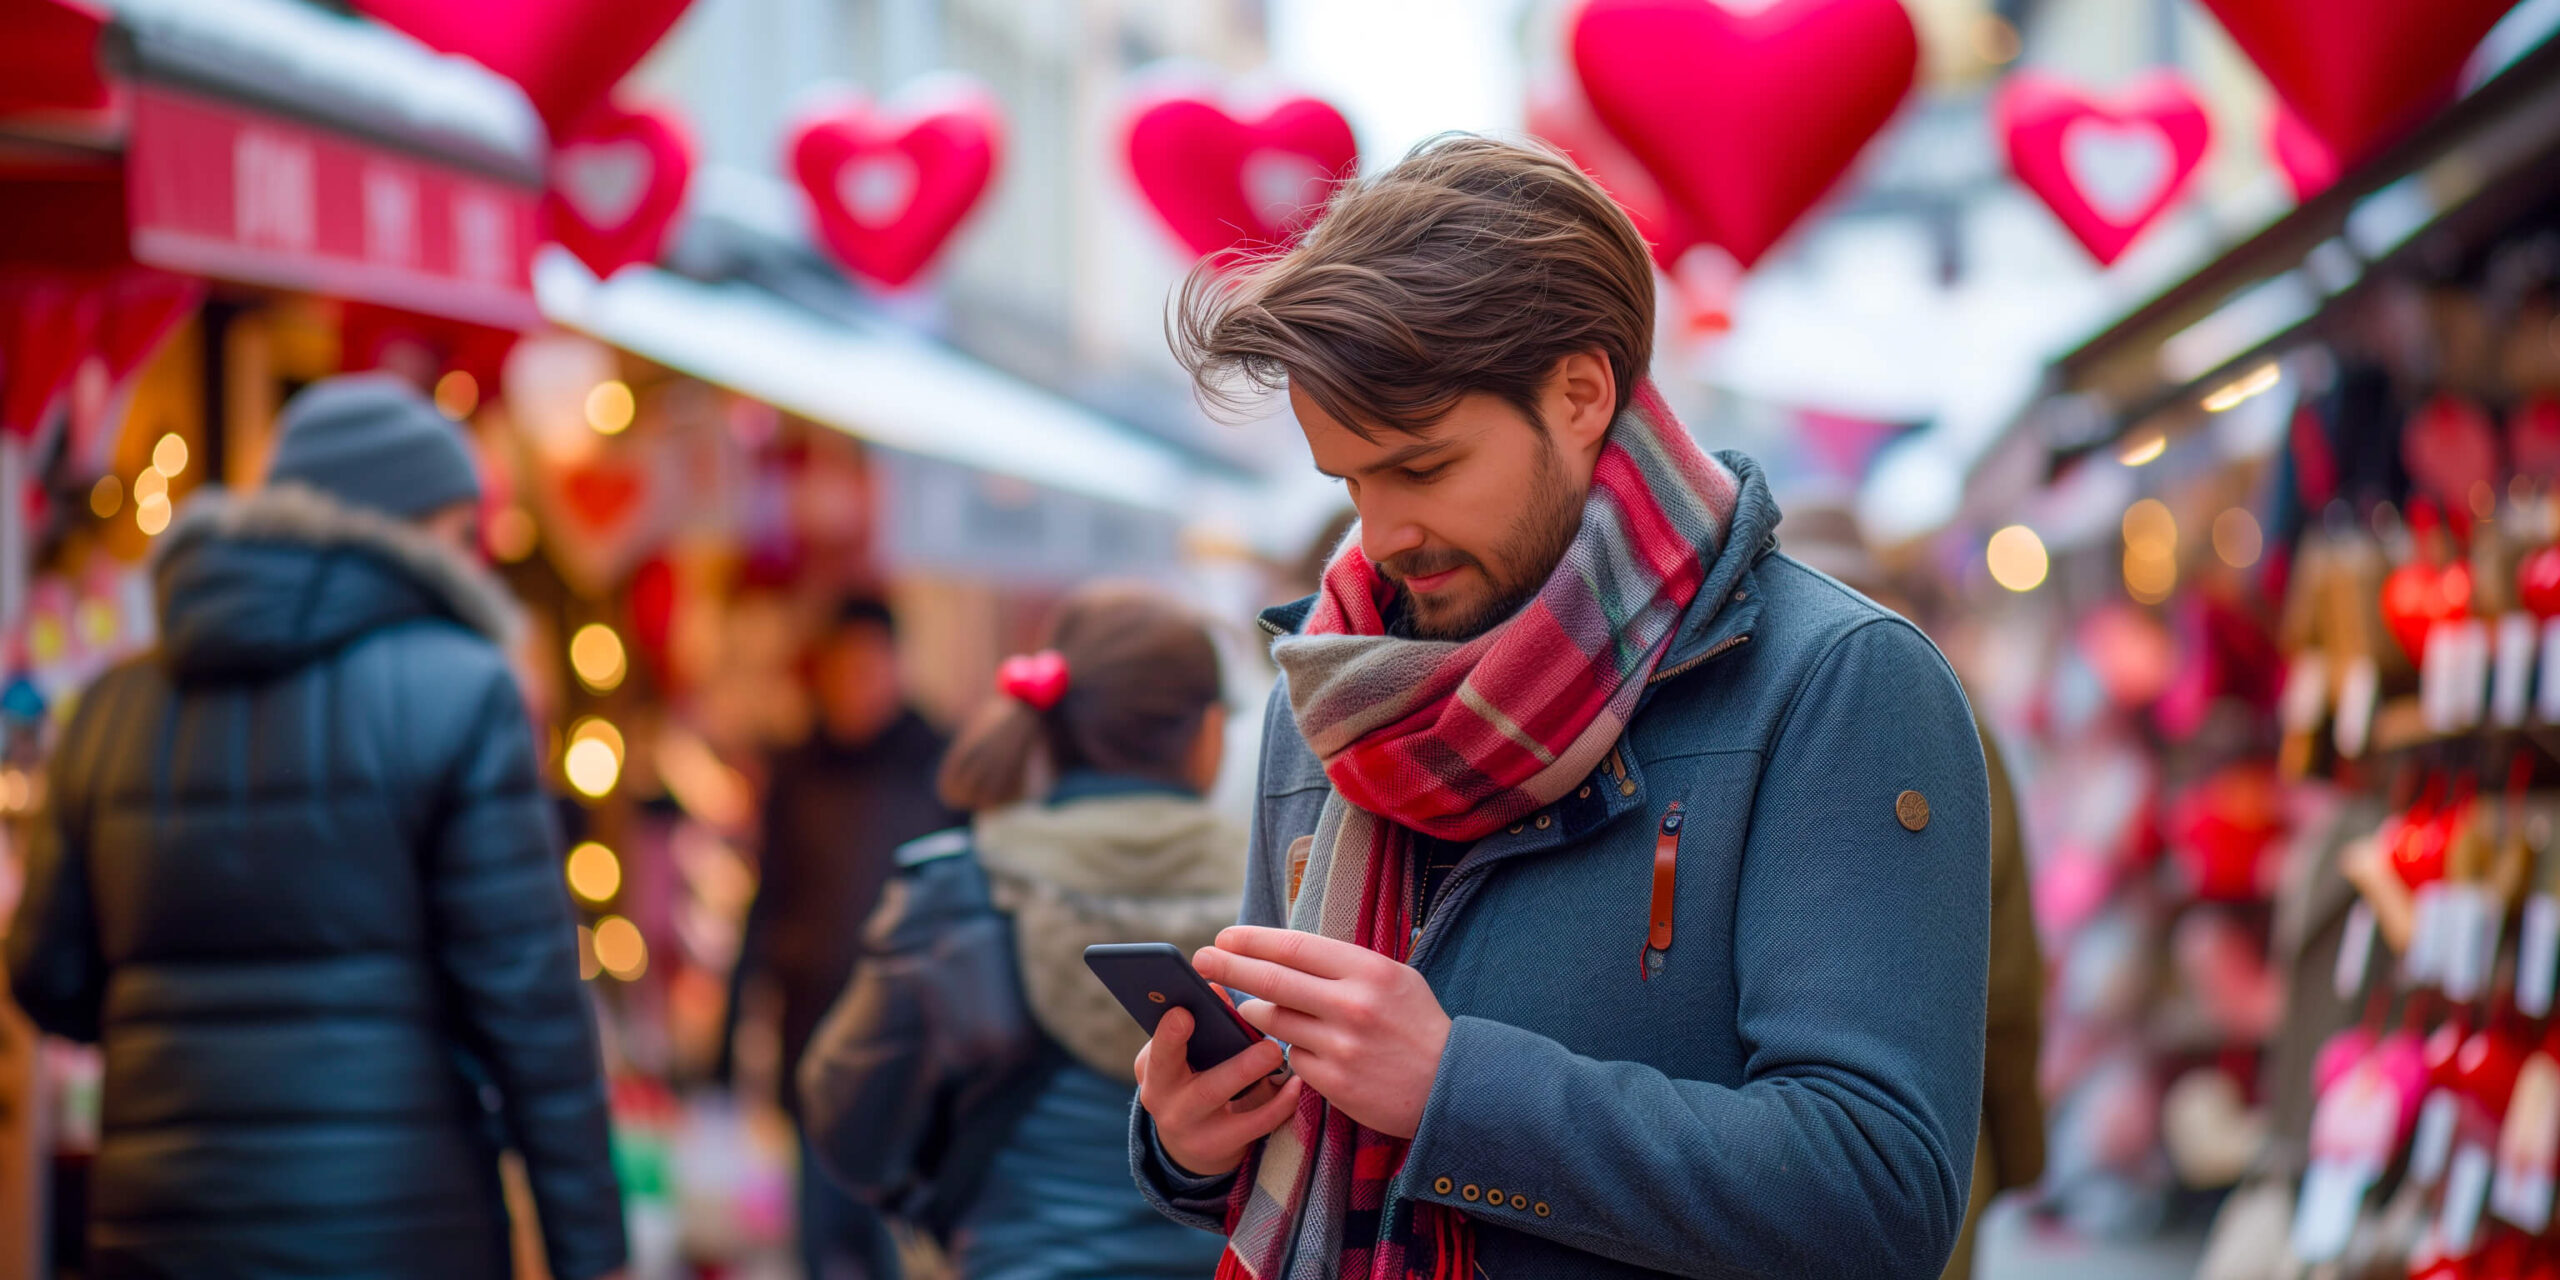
pixel 1513 571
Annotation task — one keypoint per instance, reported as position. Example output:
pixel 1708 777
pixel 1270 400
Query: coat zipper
pixel 1722 647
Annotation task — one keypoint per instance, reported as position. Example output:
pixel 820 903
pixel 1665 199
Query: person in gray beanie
pixel 299 879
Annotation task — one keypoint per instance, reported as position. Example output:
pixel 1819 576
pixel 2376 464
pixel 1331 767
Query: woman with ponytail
pixel 974 1079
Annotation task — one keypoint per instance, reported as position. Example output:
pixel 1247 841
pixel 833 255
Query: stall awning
pixel 881 384
pixel 278 144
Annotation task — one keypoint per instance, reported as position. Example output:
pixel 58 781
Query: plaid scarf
pixel 1459 740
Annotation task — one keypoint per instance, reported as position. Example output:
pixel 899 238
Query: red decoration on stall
pixel 2308 164
pixel 567 54
pixel 2533 437
pixel 1228 178
pixel 2108 168
pixel 2538 583
pixel 1745 119
pixel 2222 829
pixel 889 183
pixel 2416 596
pixel 617 182
pixel 653 616
pixel 2451 450
pixel 51 323
pixel 2359 72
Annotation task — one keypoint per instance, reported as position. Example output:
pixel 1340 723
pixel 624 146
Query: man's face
pixel 1468 518
pixel 857 681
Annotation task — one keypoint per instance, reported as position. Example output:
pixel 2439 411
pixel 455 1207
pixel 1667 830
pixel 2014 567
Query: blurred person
pixel 2010 1151
pixel 1635 878
pixel 975 1077
pixel 299 879
pixel 836 809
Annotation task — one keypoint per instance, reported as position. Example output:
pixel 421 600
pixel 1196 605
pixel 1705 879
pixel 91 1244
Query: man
pixel 2010 1153
pixel 1635 877
pixel 299 879
pixel 836 809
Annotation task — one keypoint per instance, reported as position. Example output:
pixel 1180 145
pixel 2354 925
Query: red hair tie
pixel 1035 679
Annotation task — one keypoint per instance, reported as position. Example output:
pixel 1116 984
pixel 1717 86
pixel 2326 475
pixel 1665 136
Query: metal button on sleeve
pixel 1519 827
pixel 1541 1209
pixel 1440 1186
pixel 1471 1193
pixel 1911 809
pixel 1493 1196
pixel 1545 821
pixel 1519 1201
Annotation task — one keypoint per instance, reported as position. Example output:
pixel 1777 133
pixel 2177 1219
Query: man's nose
pixel 1387 534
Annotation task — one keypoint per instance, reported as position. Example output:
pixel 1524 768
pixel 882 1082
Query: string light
pixel 152 514
pixel 152 483
pixel 2145 449
pixel 2017 558
pixel 2255 382
pixel 596 654
pixel 594 873
pixel 169 457
pixel 594 758
pixel 610 407
pixel 620 949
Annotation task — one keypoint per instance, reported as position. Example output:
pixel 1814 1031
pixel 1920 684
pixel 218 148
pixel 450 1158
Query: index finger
pixel 1308 953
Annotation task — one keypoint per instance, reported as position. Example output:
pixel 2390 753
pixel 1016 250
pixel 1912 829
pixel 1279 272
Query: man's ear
pixel 1581 401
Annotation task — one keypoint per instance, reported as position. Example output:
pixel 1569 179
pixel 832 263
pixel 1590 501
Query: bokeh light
pixel 596 654
pixel 457 394
pixel 152 513
pixel 594 759
pixel 106 497
pixel 620 950
pixel 169 457
pixel 2017 558
pixel 511 534
pixel 2237 538
pixel 152 483
pixel 594 873
pixel 610 407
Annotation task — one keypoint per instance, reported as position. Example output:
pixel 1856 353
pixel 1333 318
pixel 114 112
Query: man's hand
pixel 1200 1122
pixel 1363 1031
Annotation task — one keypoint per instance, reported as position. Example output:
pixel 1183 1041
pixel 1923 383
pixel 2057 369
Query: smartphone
pixel 1152 977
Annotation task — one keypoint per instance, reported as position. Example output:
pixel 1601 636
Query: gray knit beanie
pixel 370 440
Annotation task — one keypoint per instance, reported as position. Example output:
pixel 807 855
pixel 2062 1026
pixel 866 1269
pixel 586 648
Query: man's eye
pixel 1424 475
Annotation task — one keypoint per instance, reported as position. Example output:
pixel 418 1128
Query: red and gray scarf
pixel 1459 740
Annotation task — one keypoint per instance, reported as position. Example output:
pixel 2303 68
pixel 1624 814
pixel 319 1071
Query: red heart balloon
pixel 2222 828
pixel 1745 119
pixel 617 181
pixel 1227 182
pixel 2108 168
pixel 567 54
pixel 2309 166
pixel 601 495
pixel 2416 597
pixel 2538 583
pixel 1558 113
pixel 2359 71
pixel 889 184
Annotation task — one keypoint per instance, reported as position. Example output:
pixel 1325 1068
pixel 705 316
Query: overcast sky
pixel 1403 70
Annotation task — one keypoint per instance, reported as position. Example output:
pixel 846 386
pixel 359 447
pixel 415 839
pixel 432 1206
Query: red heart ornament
pixel 2309 166
pixel 617 181
pixel 1038 679
pixel 1234 181
pixel 567 54
pixel 601 495
pixel 889 184
pixel 2108 168
pixel 2416 597
pixel 2359 71
pixel 1558 113
pixel 2538 583
pixel 1745 119
pixel 2487 1068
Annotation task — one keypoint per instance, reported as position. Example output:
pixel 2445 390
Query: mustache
pixel 1424 563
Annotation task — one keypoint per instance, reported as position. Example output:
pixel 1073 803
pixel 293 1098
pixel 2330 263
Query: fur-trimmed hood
pixel 268 583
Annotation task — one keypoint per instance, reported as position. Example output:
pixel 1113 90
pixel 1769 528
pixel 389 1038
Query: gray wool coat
pixel 1791 1088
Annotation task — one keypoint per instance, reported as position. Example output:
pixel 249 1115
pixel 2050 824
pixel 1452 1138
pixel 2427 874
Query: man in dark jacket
pixel 836 809
pixel 299 879
pixel 1619 886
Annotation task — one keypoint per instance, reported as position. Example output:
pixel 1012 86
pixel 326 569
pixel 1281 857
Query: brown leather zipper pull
pixel 1666 875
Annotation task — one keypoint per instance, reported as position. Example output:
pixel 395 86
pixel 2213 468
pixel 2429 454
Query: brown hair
pixel 1471 266
pixel 1141 673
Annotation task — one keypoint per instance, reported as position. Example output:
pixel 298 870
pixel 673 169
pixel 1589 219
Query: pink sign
pixel 218 190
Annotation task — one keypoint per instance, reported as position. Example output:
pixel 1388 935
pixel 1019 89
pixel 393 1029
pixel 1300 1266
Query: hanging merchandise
pixel 617 181
pixel 2359 74
pixel 1235 176
pixel 1745 119
pixel 888 184
pixel 566 54
pixel 2108 168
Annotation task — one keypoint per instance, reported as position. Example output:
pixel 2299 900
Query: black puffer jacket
pixel 299 880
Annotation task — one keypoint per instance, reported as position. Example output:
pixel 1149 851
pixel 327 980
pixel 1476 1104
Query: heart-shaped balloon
pixel 567 54
pixel 889 184
pixel 1229 178
pixel 2222 829
pixel 2108 168
pixel 617 181
pixel 2416 596
pixel 1745 119
pixel 1558 113
pixel 2359 71
pixel 2308 164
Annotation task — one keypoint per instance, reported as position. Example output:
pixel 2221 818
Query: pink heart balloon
pixel 2308 165
pixel 1558 113
pixel 567 54
pixel 1226 182
pixel 1745 119
pixel 617 181
pixel 2107 167
pixel 2359 71
pixel 888 185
